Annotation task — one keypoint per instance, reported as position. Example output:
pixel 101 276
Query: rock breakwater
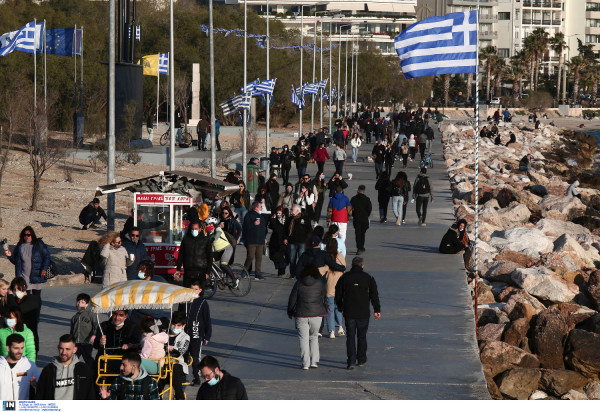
pixel 538 278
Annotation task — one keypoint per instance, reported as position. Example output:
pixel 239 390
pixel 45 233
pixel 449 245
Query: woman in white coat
pixel 355 143
pixel 115 259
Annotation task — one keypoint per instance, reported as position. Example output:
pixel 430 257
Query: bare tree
pixel 182 95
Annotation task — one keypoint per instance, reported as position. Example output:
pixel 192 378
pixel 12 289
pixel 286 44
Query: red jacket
pixel 321 154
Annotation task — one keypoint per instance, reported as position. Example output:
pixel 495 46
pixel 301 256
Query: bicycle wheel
pixel 186 139
pixel 243 280
pixel 164 139
pixel 210 287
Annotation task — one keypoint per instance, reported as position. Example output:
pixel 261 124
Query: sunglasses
pixel 27 234
pixel 135 235
pixel 117 243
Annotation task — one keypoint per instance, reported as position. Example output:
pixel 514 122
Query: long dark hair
pixel 14 310
pixel 310 270
pixel 400 179
pixel 22 235
pixel 332 248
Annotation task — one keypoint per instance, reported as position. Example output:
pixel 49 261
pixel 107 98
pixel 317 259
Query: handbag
pixel 51 272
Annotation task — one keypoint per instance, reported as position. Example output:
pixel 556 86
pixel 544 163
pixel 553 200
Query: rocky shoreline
pixel 537 287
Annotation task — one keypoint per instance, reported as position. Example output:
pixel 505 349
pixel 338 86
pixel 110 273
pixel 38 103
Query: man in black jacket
pixel 378 153
pixel 296 231
pixel 91 214
pixel 219 384
pixel 195 254
pixel 68 377
pixel 361 210
pixel 353 292
pixel 254 235
pixel 316 256
pixel 302 160
pixel 286 163
pixel 335 181
pixel 133 245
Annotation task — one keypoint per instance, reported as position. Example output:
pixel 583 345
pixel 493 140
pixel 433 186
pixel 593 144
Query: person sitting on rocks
pixel 456 241
pixel 494 131
pixel 524 164
pixel 513 139
pixel 572 190
pixel 484 132
pixel 497 140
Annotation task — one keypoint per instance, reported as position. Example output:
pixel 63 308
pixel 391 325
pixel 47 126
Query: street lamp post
pixel 321 96
pixel 268 97
pixel 244 113
pixel 346 78
pixel 356 80
pixel 351 73
pixel 330 79
pixel 312 106
pixel 213 127
pixel 337 101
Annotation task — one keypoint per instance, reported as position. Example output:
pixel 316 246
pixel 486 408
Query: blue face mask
pixel 141 275
pixel 213 381
pixel 176 331
pixel 195 233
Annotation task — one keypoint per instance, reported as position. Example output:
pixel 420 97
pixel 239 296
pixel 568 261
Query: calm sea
pixel 596 134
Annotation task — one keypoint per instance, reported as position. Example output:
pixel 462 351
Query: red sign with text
pixel 164 258
pixel 162 198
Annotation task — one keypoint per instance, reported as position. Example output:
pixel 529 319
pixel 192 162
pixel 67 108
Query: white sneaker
pixel 341 332
pixel 398 221
pixel 332 335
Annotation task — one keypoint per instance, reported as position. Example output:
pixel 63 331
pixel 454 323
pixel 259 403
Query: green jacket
pixel 29 350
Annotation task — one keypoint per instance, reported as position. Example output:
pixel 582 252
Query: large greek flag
pixel 235 103
pixel 310 88
pixel 27 39
pixel 266 86
pixel 439 45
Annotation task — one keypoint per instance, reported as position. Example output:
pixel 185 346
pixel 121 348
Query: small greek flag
pixel 311 88
pixel 27 39
pixel 325 97
pixel 299 103
pixel 265 87
pixel 439 45
pixel 163 63
pixel 138 33
pixel 250 87
pixel 235 103
pixel 322 84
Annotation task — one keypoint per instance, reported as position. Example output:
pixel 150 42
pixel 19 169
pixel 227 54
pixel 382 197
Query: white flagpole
pixel 321 91
pixel 351 74
pixel 301 54
pixel 330 78
pixel 75 67
pixel 244 112
pixel 312 106
pixel 157 91
pixel 81 61
pixel 35 77
pixel 45 83
pixel 171 86
pixel 268 97
pixel 477 165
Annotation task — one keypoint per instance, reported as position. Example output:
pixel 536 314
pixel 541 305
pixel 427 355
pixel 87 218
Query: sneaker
pixel 236 284
pixel 305 368
pixel 84 227
pixel 341 332
pixel 259 277
pixel 423 224
pixel 350 367
pixel 362 363
pixel 320 335
pixel 332 335
pixel 403 221
pixel 314 365
pixel 398 221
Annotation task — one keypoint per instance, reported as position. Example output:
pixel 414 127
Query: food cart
pixel 160 207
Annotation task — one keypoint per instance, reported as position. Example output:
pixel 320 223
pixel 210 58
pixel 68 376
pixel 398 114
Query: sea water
pixel 596 134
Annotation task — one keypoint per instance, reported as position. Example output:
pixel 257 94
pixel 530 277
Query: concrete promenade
pixel 423 347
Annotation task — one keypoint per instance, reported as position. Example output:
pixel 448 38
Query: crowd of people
pixel 300 225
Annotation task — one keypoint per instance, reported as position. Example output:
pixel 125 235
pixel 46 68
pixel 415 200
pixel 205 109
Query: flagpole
pixel 476 251
pixel 244 113
pixel 330 79
pixel 45 83
pixel 157 92
pixel 346 79
pixel 213 127
pixel 301 54
pixel 321 91
pixel 110 175
pixel 75 67
pixel 312 106
pixel 268 97
pixel 81 61
pixel 35 82
pixel 356 80
pixel 171 87
pixel 337 100
pixel 351 72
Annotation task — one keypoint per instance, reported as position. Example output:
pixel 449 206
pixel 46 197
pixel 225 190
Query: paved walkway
pixel 423 347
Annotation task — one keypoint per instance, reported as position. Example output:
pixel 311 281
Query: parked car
pixel 495 100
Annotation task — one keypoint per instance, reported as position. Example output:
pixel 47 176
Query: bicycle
pixel 219 279
pixel 427 162
pixel 186 138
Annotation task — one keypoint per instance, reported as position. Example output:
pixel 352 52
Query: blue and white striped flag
pixel 163 63
pixel 296 100
pixel 323 83
pixel 138 33
pixel 265 87
pixel 311 88
pixel 251 86
pixel 439 45
pixel 235 103
pixel 23 39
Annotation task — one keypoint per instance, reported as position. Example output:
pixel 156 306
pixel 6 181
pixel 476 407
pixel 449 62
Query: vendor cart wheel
pixel 210 286
pixel 242 278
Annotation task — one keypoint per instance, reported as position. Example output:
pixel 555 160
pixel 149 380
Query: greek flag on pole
pixel 322 84
pixel 235 103
pixel 265 87
pixel 163 63
pixel 299 103
pixel 439 45
pixel 250 88
pixel 311 88
pixel 138 34
pixel 23 39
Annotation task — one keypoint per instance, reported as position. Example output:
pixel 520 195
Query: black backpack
pixel 422 186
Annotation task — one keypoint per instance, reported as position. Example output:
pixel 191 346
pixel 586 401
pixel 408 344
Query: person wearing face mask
pixel 29 305
pixel 319 188
pixel 286 200
pixel 273 189
pixel 219 384
pixel 134 246
pixel 199 327
pixel 83 329
pixel 145 271
pixel 14 324
pixel 116 259
pixel 278 252
pixel 222 248
pixel 195 256
pixel 286 158
pixel 179 343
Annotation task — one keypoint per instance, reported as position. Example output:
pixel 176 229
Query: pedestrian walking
pixel 134 246
pixel 115 257
pixel 412 146
pixel 361 210
pixel 404 150
pixel 287 198
pixel 31 259
pixel 219 384
pixel 320 156
pixel 286 163
pixel 422 144
pixel 422 194
pixel 254 232
pixel 306 305
pixel 339 157
pixel 334 316
pixel 319 188
pixel 378 157
pixel 384 190
pixel 240 200
pixel 199 328
pixel 353 293
pixel 389 157
pixel 355 143
pixel 278 252
pixel 339 211
pixel 83 329
pixel 217 133
pixel 296 232
pixel 195 256
pixel 400 191
pixel 302 160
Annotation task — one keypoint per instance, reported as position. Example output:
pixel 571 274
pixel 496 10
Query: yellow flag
pixel 150 64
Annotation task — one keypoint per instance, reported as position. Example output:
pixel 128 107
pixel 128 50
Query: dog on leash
pixel 349 176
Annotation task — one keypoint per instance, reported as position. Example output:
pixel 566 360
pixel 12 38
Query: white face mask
pixel 19 294
pixel 141 275
pixel 11 323
pixel 195 233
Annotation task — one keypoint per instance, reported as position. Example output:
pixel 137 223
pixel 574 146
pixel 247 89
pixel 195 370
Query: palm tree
pixel 446 89
pixel 541 41
pixel 514 73
pixel 469 83
pixel 488 55
pixel 592 75
pixel 559 45
pixel 577 65
pixel 529 53
pixel 497 72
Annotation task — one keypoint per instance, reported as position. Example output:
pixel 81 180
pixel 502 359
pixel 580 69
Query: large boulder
pixel 498 356
pixel 591 324
pixel 582 353
pixel 537 178
pixel 557 382
pixel 562 207
pixel 566 247
pixel 593 288
pixel 522 305
pixel 547 338
pixel 490 332
pixel 544 284
pixel 515 214
pixel 553 229
pixel 592 390
pixel 516 332
pixel 484 293
pixel 518 383
pixel 521 259
pixel 500 271
pixel 574 395
pixel 529 241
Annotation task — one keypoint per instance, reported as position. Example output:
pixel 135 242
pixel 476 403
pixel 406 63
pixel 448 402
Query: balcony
pixel 486 18
pixel 544 4
pixel 556 22
pixel 488 34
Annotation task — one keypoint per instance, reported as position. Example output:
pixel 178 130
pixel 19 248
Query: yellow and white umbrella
pixel 140 294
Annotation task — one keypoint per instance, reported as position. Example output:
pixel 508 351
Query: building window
pixel 504 15
pixel 592 6
pixel 592 22
pixel 592 38
pixel 504 53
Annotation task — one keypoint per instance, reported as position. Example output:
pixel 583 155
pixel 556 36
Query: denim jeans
pixel 354 153
pixel 301 171
pixel 356 330
pixel 296 250
pixel 397 203
pixel 334 317
pixel 241 212
pixel 308 334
